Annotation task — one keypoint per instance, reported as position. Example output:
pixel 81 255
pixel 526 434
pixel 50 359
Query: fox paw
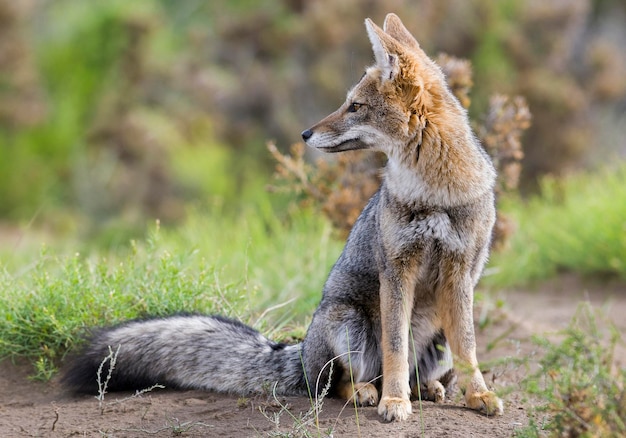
pixel 486 402
pixel 432 391
pixel 394 408
pixel 365 394
pixel 436 392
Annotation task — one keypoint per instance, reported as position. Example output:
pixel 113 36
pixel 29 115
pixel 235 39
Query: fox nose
pixel 307 134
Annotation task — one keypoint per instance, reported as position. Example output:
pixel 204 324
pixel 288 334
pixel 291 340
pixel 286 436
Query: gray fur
pixel 191 351
pixel 400 295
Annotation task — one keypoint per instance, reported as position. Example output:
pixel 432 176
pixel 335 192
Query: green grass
pixel 575 225
pixel 283 260
pixel 217 262
pixel 578 388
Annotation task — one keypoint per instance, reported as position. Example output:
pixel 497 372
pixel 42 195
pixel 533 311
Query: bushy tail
pixel 195 352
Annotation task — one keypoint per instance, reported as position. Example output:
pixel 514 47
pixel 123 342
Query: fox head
pixel 391 107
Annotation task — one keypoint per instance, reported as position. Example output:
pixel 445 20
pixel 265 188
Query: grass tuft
pixel 579 388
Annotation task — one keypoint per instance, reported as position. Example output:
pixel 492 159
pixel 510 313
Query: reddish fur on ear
pixel 392 58
pixel 394 27
pixel 385 48
pixel 404 41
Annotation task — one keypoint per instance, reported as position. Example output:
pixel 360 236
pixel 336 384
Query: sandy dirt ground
pixel 35 409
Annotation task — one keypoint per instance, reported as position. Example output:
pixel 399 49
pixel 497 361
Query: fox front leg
pixel 395 304
pixel 455 306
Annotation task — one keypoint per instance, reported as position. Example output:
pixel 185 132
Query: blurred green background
pixel 113 113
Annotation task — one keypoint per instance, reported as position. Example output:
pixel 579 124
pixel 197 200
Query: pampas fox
pixel 398 301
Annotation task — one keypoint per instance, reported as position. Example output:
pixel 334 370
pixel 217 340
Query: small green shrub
pixel 579 387
pixel 44 310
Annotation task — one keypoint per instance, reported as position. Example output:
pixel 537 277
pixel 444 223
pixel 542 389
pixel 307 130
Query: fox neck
pixel 444 165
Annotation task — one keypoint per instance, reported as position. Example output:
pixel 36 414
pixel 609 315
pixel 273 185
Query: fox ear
pixel 394 27
pixel 385 50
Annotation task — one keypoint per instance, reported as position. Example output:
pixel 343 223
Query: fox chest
pixel 415 232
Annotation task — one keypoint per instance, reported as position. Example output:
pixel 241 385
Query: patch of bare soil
pixel 44 409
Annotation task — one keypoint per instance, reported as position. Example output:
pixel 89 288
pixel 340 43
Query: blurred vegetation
pixel 114 112
pixel 573 225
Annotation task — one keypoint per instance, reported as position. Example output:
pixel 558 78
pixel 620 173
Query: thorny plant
pixel 103 384
pixel 308 424
pixel 304 422
pixel 173 425
pixel 580 387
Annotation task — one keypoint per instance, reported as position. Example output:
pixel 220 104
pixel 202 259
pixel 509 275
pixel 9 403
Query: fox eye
pixel 354 107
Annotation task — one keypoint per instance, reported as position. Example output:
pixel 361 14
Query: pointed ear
pixel 385 50
pixel 394 27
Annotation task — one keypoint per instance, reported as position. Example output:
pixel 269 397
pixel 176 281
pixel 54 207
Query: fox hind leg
pixel 357 354
pixel 364 393
pixel 342 336
pixel 432 390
